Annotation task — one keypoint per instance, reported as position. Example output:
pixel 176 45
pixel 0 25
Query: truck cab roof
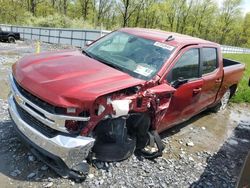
pixel 179 40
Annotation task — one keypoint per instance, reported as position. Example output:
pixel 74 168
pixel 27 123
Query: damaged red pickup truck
pixel 115 96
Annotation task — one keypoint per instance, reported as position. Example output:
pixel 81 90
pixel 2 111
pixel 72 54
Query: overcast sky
pixel 245 5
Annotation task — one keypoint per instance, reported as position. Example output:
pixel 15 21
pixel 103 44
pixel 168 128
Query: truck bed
pixel 229 62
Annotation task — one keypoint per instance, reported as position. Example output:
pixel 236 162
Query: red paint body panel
pixel 184 103
pixel 71 79
pixel 231 76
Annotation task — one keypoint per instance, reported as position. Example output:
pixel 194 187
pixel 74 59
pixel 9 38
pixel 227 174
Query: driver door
pixel 185 77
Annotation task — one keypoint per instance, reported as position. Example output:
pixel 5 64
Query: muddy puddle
pixel 207 131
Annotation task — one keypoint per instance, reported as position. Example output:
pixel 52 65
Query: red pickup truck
pixel 113 98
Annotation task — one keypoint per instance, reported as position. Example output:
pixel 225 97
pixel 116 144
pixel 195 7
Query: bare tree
pixel 33 4
pixel 171 11
pixel 186 15
pixel 103 7
pixel 127 8
pixel 85 7
pixel 146 7
pixel 230 9
pixel 179 12
pixel 53 2
pixel 65 6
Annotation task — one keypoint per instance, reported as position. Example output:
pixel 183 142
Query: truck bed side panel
pixel 232 75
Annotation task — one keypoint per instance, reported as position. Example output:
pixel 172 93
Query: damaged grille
pixel 42 104
pixel 39 126
pixel 36 124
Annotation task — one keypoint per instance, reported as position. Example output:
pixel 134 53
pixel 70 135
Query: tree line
pixel 224 23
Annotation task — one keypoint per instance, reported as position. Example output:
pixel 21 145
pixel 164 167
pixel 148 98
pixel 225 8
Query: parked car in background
pixel 9 36
pixel 116 95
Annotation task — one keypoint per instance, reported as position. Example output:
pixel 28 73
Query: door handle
pixel 218 81
pixel 196 90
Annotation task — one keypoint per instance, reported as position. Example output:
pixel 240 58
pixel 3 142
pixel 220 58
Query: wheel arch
pixel 233 89
pixel 11 35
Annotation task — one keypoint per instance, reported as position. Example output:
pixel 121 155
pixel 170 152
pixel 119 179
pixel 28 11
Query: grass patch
pixel 243 94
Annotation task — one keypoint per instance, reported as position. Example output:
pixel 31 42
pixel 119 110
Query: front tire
pixel 113 143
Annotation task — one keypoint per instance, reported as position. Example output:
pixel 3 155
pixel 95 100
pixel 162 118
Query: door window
pixel 187 67
pixel 209 60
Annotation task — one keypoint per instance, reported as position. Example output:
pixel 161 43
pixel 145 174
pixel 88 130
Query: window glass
pixel 117 44
pixel 187 67
pixel 209 60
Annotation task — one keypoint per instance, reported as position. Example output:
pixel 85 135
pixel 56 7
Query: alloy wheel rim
pixel 225 99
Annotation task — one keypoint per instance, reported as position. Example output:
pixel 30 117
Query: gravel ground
pixel 206 151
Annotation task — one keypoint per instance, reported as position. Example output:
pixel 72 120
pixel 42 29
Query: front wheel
pixel 223 102
pixel 113 143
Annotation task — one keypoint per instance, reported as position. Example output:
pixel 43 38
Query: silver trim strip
pixel 71 150
pixel 54 121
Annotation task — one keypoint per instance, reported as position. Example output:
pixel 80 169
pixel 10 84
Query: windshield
pixel 139 57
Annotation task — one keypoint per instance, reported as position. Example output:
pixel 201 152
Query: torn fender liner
pixel 159 145
pixel 112 141
pixel 138 125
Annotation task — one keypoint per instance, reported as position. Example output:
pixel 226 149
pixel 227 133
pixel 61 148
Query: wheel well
pixel 138 125
pixel 11 35
pixel 113 143
pixel 233 89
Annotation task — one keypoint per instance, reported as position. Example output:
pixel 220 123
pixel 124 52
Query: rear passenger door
pixel 211 75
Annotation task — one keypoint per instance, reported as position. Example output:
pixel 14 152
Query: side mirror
pixel 164 94
pixel 180 81
pixel 162 89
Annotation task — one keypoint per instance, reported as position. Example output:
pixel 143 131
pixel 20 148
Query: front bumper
pixel 70 150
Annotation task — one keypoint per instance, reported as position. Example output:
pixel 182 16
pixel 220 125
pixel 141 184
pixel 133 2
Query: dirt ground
pixel 207 151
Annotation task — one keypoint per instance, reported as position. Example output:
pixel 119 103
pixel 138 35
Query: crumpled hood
pixel 69 78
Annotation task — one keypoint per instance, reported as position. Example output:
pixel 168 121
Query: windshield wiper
pixel 114 66
pixel 110 64
pixel 103 61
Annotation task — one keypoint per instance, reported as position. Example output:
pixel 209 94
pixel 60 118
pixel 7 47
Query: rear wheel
pixel 223 102
pixel 11 39
pixel 225 99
